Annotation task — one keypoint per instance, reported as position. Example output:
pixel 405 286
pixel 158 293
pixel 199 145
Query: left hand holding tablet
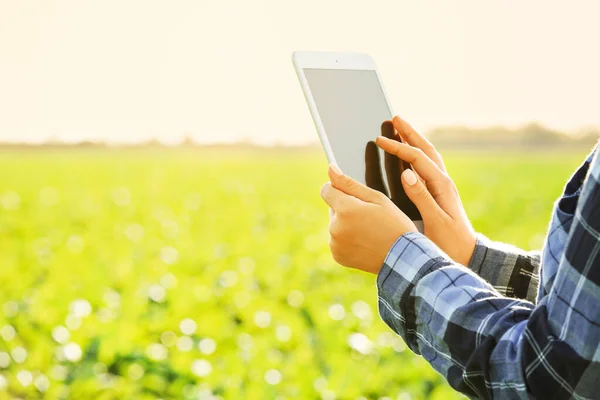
pixel 365 223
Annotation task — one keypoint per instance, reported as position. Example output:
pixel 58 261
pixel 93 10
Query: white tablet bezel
pixel 327 60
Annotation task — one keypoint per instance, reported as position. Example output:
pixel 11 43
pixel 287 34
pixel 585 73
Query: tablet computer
pixel 349 108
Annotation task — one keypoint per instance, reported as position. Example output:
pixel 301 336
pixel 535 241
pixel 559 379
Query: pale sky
pixel 221 70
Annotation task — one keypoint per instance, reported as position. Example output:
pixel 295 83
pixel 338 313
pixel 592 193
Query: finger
pixel 404 164
pixel 373 176
pixel 419 195
pixel 415 139
pixel 335 198
pixel 331 217
pixel 351 187
pixel 393 168
pixel 418 176
pixel 393 165
pixel 388 131
pixel 422 164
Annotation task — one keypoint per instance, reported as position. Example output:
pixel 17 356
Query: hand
pixel 433 192
pixel 393 168
pixel 364 222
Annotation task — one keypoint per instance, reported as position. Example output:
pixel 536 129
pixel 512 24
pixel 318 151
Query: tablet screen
pixel 352 108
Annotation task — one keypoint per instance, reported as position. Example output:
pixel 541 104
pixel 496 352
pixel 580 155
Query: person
pixel 470 306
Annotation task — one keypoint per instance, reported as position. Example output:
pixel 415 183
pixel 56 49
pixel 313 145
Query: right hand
pixel 433 192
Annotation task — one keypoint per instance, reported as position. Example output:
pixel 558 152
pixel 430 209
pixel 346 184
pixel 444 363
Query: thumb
pixel 352 187
pixel 417 192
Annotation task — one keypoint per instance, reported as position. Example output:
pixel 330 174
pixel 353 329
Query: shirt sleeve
pixel 513 272
pixel 491 346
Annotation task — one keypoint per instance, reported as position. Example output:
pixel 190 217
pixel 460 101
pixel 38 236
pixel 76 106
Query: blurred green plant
pixel 197 274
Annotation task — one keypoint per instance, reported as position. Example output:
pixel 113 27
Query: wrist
pixel 469 249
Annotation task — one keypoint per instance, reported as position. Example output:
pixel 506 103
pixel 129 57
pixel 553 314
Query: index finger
pixel 422 164
pixel 415 139
pixel 388 131
pixel 394 166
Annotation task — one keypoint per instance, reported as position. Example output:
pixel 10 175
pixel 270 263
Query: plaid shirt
pixel 488 329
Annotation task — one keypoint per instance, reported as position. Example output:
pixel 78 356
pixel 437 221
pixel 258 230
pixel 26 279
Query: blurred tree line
pixel 532 136
pixel 529 136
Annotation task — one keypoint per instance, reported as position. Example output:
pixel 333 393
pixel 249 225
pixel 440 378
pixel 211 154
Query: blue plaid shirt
pixel 492 329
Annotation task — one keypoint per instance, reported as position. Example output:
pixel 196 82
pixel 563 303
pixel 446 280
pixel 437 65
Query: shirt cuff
pixel 512 271
pixel 480 253
pixel 411 257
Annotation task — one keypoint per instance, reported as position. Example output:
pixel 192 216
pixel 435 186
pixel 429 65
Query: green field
pixel 142 274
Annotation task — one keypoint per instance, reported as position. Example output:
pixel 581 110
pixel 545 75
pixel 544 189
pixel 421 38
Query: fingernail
pixel 336 170
pixel 409 177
